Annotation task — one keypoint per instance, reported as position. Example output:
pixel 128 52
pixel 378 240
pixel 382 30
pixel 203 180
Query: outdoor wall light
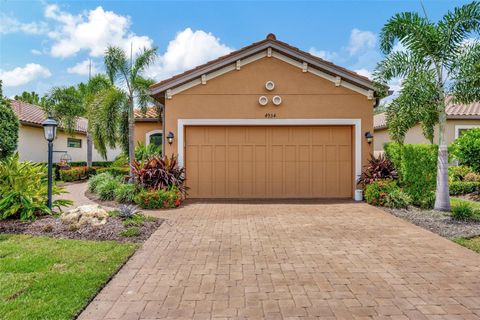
pixel 369 137
pixel 270 85
pixel 263 100
pixel 170 137
pixel 277 100
pixel 50 132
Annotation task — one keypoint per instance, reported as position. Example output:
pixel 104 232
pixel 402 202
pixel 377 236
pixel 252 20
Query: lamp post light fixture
pixel 170 137
pixel 50 132
pixel 369 137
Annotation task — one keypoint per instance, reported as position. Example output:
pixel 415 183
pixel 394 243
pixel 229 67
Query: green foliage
pixel 417 169
pixel 466 149
pixel 463 187
pixel 116 171
pixel 458 173
pixel 8 127
pixel 470 243
pixel 75 173
pixel 386 193
pixel 121 160
pixel 472 176
pixel 131 232
pixel 157 199
pixel 95 180
pixel 29 97
pixel 462 211
pixel 23 189
pixel 126 192
pixel 66 105
pixel 106 189
pixel 144 152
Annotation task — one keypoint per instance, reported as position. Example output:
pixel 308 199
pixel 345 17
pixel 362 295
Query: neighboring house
pixel 33 146
pixel 148 127
pixel 460 117
pixel 268 121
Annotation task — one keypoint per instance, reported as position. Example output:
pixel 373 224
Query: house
pixel 460 117
pixel 32 145
pixel 148 127
pixel 268 121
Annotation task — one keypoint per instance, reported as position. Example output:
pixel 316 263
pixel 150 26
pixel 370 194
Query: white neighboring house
pixel 33 146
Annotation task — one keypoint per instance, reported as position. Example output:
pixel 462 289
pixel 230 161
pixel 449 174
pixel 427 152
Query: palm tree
pixel 131 87
pixel 30 97
pixel 439 61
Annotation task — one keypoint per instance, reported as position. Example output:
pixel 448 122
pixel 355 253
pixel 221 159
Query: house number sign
pixel 270 115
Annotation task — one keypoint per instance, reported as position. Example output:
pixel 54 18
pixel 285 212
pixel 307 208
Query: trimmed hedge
pixel 463 187
pixel 116 171
pixel 76 173
pixel 417 170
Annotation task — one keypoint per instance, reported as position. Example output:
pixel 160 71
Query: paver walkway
pixel 292 260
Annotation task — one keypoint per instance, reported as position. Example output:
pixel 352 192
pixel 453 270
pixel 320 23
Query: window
pixel 74 143
pixel 156 139
pixel 461 129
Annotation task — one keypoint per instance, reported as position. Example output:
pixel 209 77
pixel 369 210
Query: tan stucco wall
pixel 235 94
pixel 32 146
pixel 142 128
pixel 415 134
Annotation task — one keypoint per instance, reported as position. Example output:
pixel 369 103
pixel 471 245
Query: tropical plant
pixel 106 189
pixel 8 127
pixel 95 180
pixel 439 60
pixel 158 199
pixel 458 173
pixel 466 149
pixel 29 97
pixel 159 173
pixel 462 211
pixel 386 193
pixel 127 211
pixel 144 152
pixel 378 168
pixel 23 189
pixel 126 192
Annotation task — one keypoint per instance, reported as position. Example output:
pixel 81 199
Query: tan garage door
pixel 269 162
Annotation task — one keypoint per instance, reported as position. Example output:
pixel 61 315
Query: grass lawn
pixel 457 201
pixel 472 243
pixel 46 278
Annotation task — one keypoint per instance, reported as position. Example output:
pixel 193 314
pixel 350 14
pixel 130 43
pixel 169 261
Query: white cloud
pixel 83 68
pixel 12 25
pixel 22 75
pixel 326 55
pixel 361 41
pixel 189 49
pixel 92 31
pixel 36 52
pixel 364 72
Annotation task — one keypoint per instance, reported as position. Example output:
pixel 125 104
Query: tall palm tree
pixel 439 61
pixel 131 88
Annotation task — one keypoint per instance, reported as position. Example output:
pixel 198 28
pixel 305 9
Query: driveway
pixel 292 260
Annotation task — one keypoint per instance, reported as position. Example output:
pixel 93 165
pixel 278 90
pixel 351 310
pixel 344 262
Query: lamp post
pixel 50 132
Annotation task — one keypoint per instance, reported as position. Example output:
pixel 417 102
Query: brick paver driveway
pixel 292 260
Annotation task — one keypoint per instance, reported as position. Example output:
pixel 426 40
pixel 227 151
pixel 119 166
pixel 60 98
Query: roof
pixel 454 111
pixel 150 115
pixel 33 115
pixel 269 42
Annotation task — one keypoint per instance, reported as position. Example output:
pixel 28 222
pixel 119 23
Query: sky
pixel 51 43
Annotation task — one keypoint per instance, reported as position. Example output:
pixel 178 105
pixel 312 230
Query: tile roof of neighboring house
pixel 454 111
pixel 271 38
pixel 30 114
pixel 150 115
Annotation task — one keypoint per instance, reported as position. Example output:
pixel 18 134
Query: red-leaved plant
pixel 159 173
pixel 377 169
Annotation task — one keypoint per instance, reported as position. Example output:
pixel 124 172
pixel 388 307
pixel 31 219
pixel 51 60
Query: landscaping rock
pixel 87 214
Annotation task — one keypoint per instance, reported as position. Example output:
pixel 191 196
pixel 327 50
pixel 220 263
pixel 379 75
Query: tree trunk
pixel 89 150
pixel 442 197
pixel 131 132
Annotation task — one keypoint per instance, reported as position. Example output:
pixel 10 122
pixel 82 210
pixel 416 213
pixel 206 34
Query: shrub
pixel 159 173
pixel 458 173
pixel 120 161
pixel 157 199
pixel 144 152
pixel 127 211
pixel 116 171
pixel 126 192
pixel 130 232
pixel 386 193
pixel 8 129
pixel 76 173
pixel 23 189
pixel 466 149
pixel 463 187
pixel 106 189
pixel 377 169
pixel 416 165
pixel 472 176
pixel 462 211
pixel 95 180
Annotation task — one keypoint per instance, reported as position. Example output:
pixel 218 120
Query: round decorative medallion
pixel 270 85
pixel 277 100
pixel 263 100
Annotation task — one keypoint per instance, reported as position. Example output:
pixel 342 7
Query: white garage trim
pixel 148 134
pixel 275 122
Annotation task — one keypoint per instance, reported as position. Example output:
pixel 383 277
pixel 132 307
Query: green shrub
pixel 102 164
pixel 106 189
pixel 417 168
pixel 463 187
pixel 472 176
pixel 427 201
pixel 126 192
pixel 386 193
pixel 8 128
pixel 466 149
pixel 144 152
pixel 462 211
pixel 95 180
pixel 130 232
pixel 157 199
pixel 23 189
pixel 120 161
pixel 458 173
pixel 116 171
pixel 76 173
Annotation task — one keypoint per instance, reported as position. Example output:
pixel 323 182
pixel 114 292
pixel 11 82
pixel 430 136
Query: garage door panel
pixel 259 162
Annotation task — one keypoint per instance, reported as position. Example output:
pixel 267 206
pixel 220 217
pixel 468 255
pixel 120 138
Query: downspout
pixel 163 130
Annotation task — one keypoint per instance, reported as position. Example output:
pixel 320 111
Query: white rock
pixel 92 214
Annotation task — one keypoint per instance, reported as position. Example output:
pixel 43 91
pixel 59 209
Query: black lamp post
pixel 50 131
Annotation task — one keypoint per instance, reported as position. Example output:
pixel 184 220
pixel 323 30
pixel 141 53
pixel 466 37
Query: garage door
pixel 269 162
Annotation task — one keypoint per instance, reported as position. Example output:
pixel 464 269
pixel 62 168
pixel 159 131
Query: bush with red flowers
pixel 159 199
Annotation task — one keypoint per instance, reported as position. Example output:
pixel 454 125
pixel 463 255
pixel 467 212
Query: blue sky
pixel 45 44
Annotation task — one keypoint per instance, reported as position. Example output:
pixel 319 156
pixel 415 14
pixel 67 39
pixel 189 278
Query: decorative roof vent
pixel 271 36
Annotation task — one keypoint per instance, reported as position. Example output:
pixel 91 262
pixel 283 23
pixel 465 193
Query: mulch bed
pixel 438 222
pixel 53 227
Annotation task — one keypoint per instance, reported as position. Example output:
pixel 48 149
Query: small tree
pixel 466 149
pixel 8 127
pixel 440 59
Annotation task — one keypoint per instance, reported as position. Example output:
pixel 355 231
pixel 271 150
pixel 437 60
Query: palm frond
pixel 142 61
pixel 116 64
pixel 141 86
pixel 466 74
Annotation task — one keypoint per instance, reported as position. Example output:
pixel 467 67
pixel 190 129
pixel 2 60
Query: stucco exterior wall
pixel 235 94
pixel 142 128
pixel 415 134
pixel 32 146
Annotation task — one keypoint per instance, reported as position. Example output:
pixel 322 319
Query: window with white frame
pixel 462 128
